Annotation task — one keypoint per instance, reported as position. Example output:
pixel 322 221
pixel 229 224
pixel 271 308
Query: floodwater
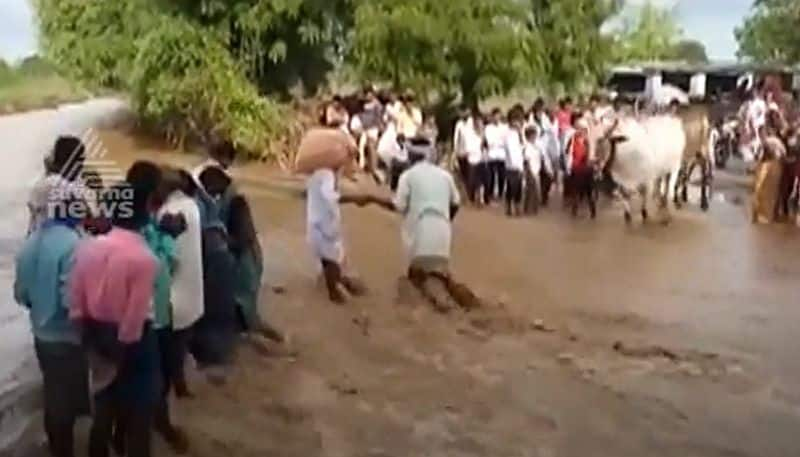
pixel 596 339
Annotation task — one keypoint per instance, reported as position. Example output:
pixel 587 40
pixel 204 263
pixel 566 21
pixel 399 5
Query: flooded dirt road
pixel 597 340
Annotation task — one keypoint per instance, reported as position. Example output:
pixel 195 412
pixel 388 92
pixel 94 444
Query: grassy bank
pixel 20 93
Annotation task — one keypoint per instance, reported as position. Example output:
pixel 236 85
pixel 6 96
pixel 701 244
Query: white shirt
pixel 515 153
pixel 424 195
pixel 536 158
pixel 473 144
pixel 50 192
pixel 496 140
pixel 389 148
pixel 323 217
pixel 458 137
pixel 187 280
pixel 757 113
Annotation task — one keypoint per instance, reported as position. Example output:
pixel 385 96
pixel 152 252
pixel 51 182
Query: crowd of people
pixel 770 136
pixel 123 283
pixel 516 156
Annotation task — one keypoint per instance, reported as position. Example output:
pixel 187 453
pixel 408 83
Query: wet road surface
pixel 597 339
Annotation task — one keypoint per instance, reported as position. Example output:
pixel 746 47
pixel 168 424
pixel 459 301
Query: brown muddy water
pixel 597 340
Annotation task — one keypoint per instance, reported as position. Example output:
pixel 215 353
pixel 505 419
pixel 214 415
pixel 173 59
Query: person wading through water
pixel 324 230
pixel 428 199
pixel 581 172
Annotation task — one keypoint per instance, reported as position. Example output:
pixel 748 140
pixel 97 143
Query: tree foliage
pixel 195 68
pixel 772 32
pixel 652 34
pixel 691 51
pixel 199 67
pixel 200 91
pixel 574 50
pixel 472 47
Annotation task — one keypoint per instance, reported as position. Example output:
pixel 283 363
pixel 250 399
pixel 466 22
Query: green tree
pixel 198 67
pixel 574 48
pixel 691 51
pixel 771 33
pixel 474 48
pixel 652 35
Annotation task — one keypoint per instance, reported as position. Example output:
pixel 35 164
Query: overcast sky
pixel 709 21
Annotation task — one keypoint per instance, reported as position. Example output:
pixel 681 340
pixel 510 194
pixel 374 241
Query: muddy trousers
pixel 496 185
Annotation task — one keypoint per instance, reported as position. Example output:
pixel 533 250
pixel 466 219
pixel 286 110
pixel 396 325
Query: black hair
pixel 126 206
pixel 531 131
pixel 145 176
pixel 222 150
pixel 576 116
pixel 337 98
pixel 497 111
pixel 69 154
pixel 215 180
pixel 516 113
pixel 595 98
pixel 188 184
pixel 171 181
pixel 538 104
pixel 92 179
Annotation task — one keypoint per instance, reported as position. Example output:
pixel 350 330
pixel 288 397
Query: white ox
pixel 641 155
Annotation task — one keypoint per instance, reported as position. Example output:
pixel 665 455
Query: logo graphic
pixel 82 182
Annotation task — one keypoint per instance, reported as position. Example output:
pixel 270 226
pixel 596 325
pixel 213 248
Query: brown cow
pixel 697 124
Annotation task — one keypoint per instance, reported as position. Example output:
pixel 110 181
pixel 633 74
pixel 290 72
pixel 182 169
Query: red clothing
pixel 564 119
pixel 579 151
pixel 112 282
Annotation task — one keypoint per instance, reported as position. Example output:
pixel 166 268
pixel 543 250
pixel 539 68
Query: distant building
pixel 696 80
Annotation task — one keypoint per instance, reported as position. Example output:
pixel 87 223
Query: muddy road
pixel 596 339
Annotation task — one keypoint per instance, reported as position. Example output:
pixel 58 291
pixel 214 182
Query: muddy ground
pixel 596 339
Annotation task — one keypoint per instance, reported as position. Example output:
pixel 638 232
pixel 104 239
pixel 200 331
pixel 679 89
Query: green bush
pixel 200 91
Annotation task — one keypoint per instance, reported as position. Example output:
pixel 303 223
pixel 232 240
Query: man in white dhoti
pixel 428 198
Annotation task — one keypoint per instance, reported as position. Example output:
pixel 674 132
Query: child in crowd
pixel 515 165
pixel 536 164
pixel 581 171
pixel 459 146
pixel 478 170
pixel 495 137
